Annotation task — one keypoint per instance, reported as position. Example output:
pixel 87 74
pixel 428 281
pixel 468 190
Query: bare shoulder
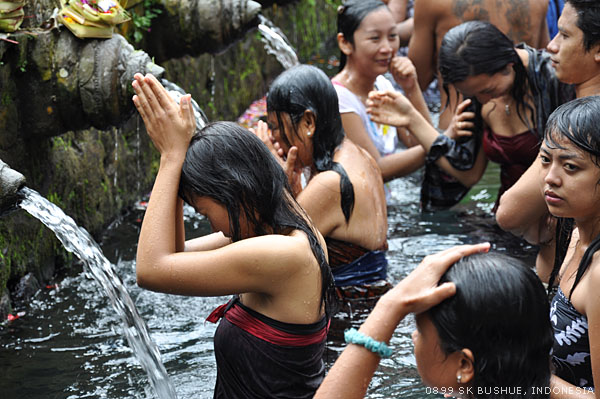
pixel 327 182
pixel 591 304
pixel 272 248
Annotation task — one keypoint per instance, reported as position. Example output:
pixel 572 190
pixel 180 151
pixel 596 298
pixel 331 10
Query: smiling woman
pixel 368 41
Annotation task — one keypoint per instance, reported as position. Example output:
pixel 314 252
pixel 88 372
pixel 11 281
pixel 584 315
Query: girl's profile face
pixel 436 368
pixel 215 212
pixel 286 135
pixel 486 87
pixel 569 179
pixel 376 41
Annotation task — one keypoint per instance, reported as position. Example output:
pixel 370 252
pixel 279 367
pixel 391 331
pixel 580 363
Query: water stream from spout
pixel 276 43
pixel 176 93
pixel 78 241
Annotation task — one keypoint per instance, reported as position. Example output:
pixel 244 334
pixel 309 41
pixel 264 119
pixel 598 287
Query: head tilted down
pixel 233 167
pixel 498 325
pixel 302 92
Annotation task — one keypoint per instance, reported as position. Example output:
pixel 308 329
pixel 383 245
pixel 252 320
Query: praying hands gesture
pixel 287 161
pixel 169 125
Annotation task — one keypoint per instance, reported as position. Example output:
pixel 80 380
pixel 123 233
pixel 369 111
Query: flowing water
pixel 78 241
pixel 69 343
pixel 276 43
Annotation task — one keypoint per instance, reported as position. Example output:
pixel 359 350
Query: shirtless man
pixel 521 20
pixel 399 9
pixel 576 57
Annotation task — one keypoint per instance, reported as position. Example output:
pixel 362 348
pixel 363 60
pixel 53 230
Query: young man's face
pixel 572 62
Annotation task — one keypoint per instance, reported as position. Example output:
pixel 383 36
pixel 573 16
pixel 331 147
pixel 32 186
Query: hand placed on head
pixel 419 291
pixel 169 125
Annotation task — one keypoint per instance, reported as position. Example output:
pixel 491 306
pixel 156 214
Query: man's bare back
pixel 521 20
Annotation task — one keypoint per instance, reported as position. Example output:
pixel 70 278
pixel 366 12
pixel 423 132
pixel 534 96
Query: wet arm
pixel 405 31
pixel 426 134
pixel 522 209
pixel 351 374
pixel 421 48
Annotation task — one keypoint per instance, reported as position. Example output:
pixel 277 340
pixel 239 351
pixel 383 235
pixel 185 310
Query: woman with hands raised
pixel 482 329
pixel 344 194
pixel 264 250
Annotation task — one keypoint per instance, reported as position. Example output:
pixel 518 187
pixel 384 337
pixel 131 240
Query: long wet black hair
pixel 588 20
pixel 499 312
pixel 303 88
pixel 350 16
pixel 232 166
pixel 478 47
pixel 578 122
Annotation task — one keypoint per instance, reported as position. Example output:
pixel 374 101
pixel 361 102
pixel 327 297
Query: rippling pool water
pixel 69 343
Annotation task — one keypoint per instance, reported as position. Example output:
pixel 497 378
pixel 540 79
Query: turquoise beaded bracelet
pixel 352 336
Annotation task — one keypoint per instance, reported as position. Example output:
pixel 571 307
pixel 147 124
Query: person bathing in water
pixel 264 249
pixel 344 194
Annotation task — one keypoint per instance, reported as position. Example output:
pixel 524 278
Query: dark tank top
pixel 258 357
pixel 514 154
pixel 571 350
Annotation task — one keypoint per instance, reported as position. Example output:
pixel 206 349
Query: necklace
pixel 507 109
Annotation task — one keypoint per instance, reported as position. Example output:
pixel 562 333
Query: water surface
pixel 69 343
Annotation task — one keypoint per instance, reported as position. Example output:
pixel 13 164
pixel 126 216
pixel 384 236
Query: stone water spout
pixel 10 183
pixel 65 83
pixel 193 27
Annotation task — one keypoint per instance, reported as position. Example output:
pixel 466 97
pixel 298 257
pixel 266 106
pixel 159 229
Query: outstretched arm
pixel 394 109
pixel 352 372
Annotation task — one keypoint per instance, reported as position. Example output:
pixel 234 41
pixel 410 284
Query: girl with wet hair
pixel 368 40
pixel 344 193
pixel 570 182
pixel 482 329
pixel 511 92
pixel 264 250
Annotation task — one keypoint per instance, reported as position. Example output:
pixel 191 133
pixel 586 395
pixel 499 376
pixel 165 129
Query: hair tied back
pixel 341 9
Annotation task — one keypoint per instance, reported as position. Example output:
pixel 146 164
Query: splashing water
pixel 78 241
pixel 276 43
pixel 176 93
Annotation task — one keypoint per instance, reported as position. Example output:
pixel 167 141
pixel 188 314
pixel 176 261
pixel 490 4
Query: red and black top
pixel 258 357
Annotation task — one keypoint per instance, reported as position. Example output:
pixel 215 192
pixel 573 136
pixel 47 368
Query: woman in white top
pixel 368 40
